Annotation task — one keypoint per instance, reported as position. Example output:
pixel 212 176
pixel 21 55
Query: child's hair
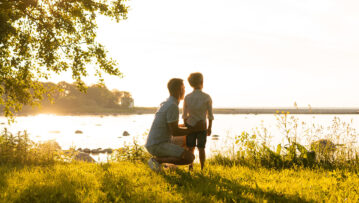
pixel 195 79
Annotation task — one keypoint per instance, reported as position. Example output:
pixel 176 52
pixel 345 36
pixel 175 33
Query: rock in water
pixel 108 150
pixel 78 132
pixel 86 150
pixel 84 157
pixel 96 151
pixel 125 133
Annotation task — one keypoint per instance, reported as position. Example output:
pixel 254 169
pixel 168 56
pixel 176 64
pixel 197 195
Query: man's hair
pixel 195 79
pixel 174 86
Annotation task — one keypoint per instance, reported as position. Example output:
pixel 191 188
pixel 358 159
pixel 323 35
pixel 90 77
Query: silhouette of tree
pixel 97 97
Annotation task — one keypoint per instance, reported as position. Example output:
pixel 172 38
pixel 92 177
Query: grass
pixel 135 182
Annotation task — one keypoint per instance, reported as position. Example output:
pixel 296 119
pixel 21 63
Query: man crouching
pixel 166 125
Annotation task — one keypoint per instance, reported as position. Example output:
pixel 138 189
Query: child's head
pixel 196 80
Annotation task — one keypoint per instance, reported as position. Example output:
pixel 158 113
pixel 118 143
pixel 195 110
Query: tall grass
pixel 19 149
pixel 306 145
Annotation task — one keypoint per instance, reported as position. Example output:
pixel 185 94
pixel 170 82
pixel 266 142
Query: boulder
pixel 96 151
pixel 50 146
pixel 86 150
pixel 125 133
pixel 84 157
pixel 78 132
pixel 323 146
pixel 108 150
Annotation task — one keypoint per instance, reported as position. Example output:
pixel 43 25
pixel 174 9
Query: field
pixel 135 182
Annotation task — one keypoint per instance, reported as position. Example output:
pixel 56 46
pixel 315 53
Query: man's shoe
pixel 154 165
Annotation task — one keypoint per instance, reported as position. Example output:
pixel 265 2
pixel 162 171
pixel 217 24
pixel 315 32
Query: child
pixel 197 107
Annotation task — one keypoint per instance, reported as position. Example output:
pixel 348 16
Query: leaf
pixel 279 149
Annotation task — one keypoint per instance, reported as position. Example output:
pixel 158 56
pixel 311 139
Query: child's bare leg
pixel 190 166
pixel 202 156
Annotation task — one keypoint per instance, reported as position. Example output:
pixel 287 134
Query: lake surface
pixel 107 131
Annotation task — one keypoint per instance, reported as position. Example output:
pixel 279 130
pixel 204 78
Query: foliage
pixel 66 98
pixel 70 99
pixel 133 152
pixel 42 37
pixel 19 149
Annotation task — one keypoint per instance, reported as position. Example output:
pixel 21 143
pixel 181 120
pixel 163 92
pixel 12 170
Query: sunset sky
pixel 251 52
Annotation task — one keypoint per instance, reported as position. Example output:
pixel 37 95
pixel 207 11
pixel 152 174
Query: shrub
pixel 19 149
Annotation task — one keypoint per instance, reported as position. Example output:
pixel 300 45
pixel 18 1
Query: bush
pixel 19 149
pixel 134 152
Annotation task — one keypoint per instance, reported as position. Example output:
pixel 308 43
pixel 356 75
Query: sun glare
pixel 44 119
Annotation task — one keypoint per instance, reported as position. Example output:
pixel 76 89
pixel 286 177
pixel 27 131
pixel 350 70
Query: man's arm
pixel 185 113
pixel 180 131
pixel 176 130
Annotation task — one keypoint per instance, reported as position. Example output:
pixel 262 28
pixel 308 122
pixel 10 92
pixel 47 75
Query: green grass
pixel 135 182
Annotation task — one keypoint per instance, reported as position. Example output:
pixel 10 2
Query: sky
pixel 252 53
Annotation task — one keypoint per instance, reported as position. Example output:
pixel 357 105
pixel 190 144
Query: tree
pixel 98 99
pixel 123 98
pixel 41 37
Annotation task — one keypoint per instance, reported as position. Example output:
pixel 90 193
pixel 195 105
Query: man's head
pixel 176 88
pixel 196 80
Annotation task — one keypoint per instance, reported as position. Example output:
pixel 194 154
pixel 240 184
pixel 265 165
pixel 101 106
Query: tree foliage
pixel 42 37
pixel 70 100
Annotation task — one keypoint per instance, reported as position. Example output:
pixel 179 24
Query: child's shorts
pixel 198 139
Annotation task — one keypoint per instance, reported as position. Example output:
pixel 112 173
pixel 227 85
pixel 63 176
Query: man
pixel 166 125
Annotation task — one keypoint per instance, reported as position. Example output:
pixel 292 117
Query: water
pixel 107 131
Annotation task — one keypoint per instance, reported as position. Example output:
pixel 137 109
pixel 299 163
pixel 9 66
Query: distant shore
pixel 285 110
pixel 152 110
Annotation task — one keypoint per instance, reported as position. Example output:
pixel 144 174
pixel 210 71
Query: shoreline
pixel 152 110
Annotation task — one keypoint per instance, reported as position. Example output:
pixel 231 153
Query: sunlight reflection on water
pixel 107 131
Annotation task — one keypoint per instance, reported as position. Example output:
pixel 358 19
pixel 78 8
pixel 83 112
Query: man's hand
pixel 176 130
pixel 209 132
